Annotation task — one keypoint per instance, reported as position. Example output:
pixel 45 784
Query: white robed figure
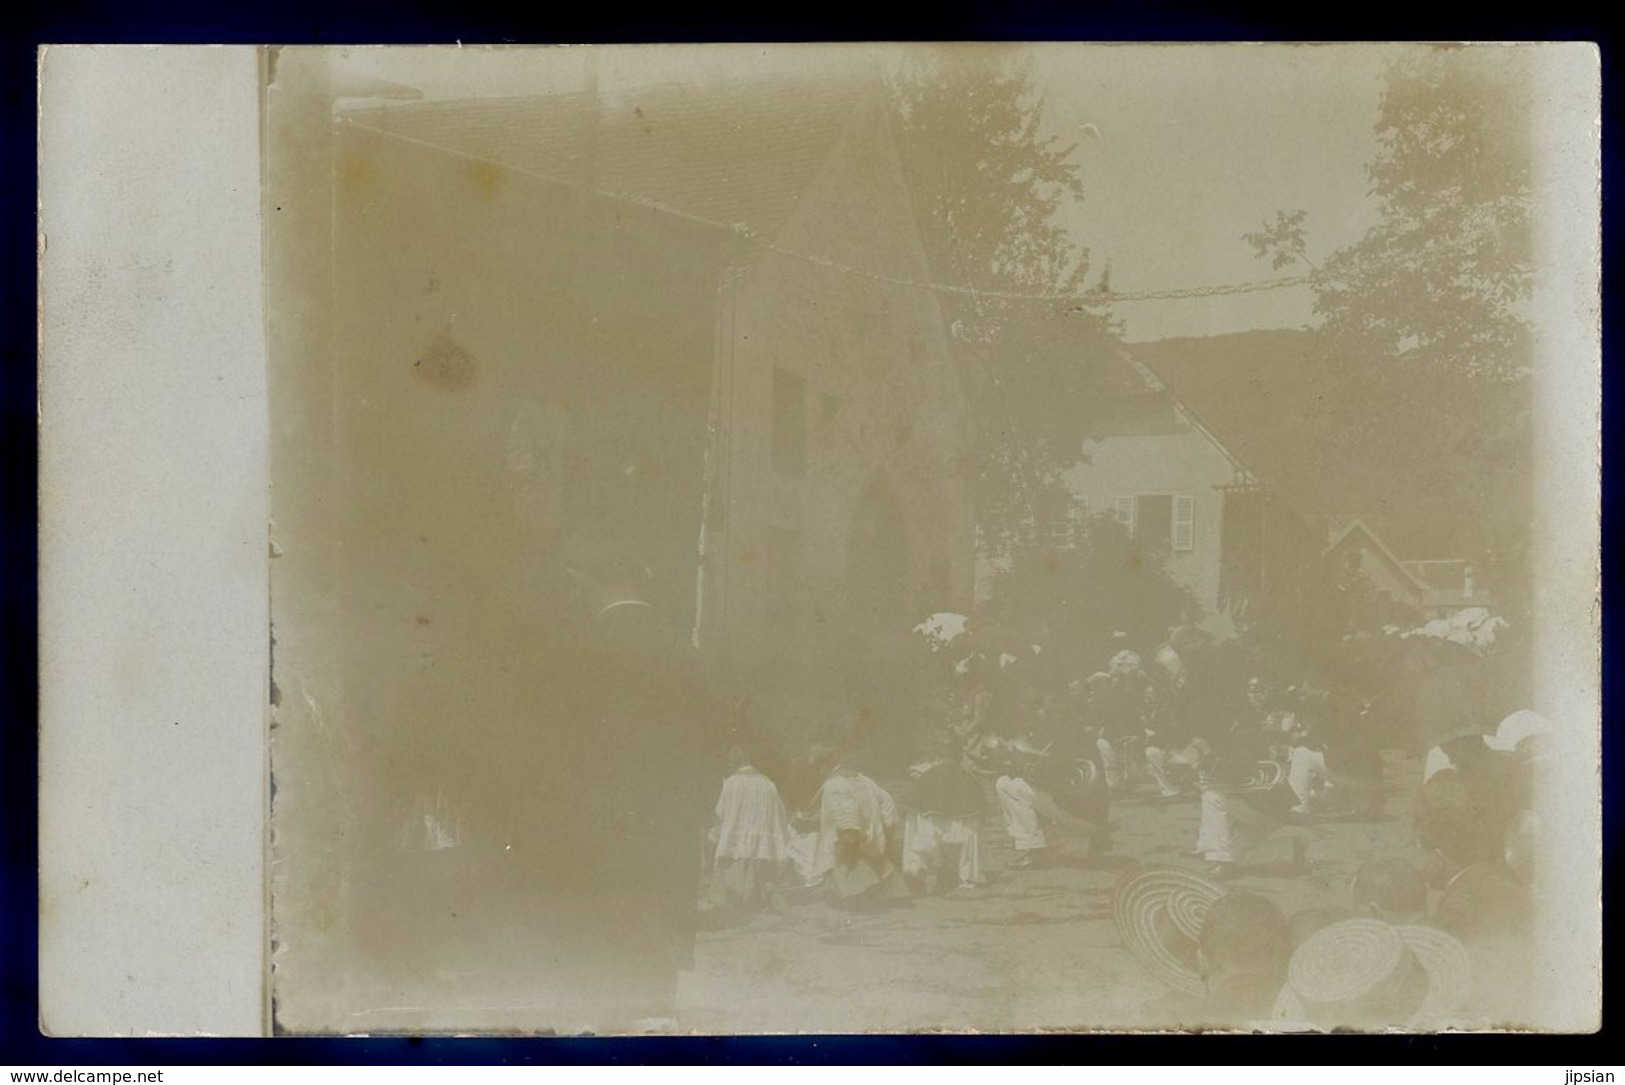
pixel 853 807
pixel 858 825
pixel 942 819
pixel 752 835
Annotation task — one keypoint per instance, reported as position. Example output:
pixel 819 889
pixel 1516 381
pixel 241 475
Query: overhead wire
pixel 1079 301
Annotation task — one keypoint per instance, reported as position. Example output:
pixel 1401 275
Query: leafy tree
pixel 987 186
pixel 1424 345
pixel 1284 242
pixel 1440 282
pixel 1075 601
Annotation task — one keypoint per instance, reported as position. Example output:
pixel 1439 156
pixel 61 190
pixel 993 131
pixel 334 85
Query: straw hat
pixel 1085 774
pixel 1515 728
pixel 1367 972
pixel 1025 747
pixel 1125 662
pixel 1160 913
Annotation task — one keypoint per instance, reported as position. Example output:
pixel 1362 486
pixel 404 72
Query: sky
pixel 1181 148
pixel 1198 145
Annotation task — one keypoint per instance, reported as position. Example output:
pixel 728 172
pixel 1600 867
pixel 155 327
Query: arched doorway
pixel 881 671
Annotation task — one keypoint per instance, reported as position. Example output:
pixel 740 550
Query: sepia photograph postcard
pixel 893 538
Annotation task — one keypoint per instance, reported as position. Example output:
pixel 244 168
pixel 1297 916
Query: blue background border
pixel 403 23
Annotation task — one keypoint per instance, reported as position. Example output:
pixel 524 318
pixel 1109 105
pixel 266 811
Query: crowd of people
pixel 1446 941
pixel 1436 935
pixel 1008 766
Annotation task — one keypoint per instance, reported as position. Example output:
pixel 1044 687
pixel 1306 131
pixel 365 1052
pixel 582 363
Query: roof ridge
pixel 1191 415
pixel 704 150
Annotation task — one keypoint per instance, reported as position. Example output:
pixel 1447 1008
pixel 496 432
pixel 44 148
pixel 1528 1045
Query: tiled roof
pixel 1442 575
pixel 1250 389
pixel 1366 538
pixel 737 154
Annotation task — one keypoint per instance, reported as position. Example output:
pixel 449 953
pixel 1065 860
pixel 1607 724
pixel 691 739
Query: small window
pixel 938 581
pixel 1154 521
pixel 1027 531
pixel 783 571
pixel 1124 512
pixel 1077 516
pixel 1184 524
pixel 789 423
pixel 1062 530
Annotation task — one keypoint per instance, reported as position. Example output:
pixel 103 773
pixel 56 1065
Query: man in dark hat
pixel 1225 954
pixel 942 816
pixel 1462 824
pixel 1243 953
pixel 1390 889
pixel 632 746
pixel 1045 787
pixel 858 834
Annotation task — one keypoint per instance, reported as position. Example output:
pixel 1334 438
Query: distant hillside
pixel 1263 394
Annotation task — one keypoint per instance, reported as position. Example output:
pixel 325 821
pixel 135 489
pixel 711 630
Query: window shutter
pixel 1184 523
pixel 1077 519
pixel 1060 530
pixel 1125 513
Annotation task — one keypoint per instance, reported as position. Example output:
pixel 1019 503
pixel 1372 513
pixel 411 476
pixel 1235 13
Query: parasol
pixel 1436 690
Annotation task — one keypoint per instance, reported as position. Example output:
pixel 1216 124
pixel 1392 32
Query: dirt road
pixel 1032 949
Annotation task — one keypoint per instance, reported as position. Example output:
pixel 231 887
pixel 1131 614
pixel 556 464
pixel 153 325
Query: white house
pixel 1160 472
